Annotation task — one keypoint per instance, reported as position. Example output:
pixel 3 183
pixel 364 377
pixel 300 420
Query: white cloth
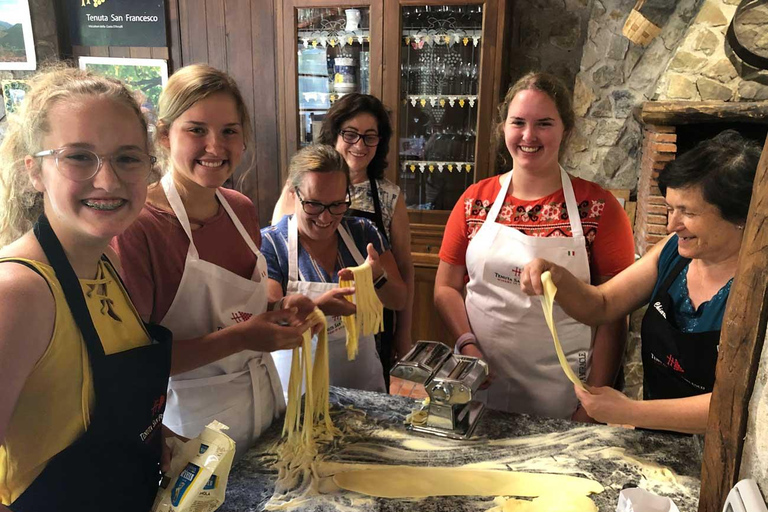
pixel 510 325
pixel 365 371
pixel 241 390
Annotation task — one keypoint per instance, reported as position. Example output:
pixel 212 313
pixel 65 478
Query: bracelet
pixel 468 338
pixel 381 280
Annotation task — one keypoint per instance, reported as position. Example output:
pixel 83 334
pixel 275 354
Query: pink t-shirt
pixel 153 251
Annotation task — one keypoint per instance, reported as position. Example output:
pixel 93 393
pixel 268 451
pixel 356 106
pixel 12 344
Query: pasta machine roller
pixel 451 381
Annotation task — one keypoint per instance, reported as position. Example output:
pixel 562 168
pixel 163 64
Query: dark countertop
pixel 667 464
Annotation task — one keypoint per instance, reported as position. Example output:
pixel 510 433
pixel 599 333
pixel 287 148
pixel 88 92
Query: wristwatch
pixel 380 281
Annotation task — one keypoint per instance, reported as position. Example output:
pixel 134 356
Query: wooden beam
pixel 688 112
pixel 741 344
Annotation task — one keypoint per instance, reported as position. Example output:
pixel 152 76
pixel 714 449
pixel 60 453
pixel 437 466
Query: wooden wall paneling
pixel 391 78
pixel 98 51
pixel 741 342
pixel 194 31
pixel 217 28
pixel 486 86
pixel 173 25
pixel 281 76
pixel 427 325
pixel 266 175
pixel 119 51
pixel 239 64
pixel 140 52
pixel 287 40
pixel 159 53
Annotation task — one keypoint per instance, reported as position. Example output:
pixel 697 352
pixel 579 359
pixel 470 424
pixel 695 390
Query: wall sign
pixel 17 46
pixel 117 22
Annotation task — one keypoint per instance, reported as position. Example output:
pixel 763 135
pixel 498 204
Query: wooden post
pixel 741 344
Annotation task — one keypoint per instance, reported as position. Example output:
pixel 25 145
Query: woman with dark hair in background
pixel 685 280
pixel 358 126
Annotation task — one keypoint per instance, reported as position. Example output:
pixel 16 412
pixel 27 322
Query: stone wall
pixel 615 77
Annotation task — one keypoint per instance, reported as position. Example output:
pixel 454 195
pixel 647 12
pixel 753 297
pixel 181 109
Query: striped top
pixel 274 246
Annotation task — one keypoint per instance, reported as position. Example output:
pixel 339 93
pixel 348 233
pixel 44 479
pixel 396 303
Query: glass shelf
pixel 333 49
pixel 439 79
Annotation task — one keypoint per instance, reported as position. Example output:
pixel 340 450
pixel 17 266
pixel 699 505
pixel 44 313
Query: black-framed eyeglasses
pixel 316 207
pixel 79 164
pixel 351 137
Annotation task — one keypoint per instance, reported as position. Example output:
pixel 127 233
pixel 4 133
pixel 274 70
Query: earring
pixel 740 227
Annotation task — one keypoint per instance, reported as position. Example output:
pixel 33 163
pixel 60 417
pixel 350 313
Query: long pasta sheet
pixel 547 303
pixel 369 318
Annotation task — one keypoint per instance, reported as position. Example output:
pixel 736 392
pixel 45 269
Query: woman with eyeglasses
pixel 83 380
pixel 192 264
pixel 358 126
pixel 308 251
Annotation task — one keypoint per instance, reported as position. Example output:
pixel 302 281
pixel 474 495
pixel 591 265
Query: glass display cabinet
pixel 327 51
pixel 438 67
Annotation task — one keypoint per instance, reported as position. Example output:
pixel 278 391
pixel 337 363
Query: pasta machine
pixel 451 381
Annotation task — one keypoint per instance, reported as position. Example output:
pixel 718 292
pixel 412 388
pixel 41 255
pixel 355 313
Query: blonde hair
pixel 186 87
pixel 20 203
pixel 315 158
pixel 550 85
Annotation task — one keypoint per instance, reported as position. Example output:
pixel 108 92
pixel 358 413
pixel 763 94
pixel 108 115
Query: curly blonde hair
pixel 20 203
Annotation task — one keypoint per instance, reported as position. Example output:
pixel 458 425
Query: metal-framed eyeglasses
pixel 79 164
pixel 316 207
pixel 351 137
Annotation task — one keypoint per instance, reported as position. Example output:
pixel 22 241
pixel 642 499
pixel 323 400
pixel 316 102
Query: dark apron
pixel 675 364
pixel 115 464
pixel 385 338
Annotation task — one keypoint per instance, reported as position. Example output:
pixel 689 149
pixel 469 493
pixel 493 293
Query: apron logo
pixel 674 364
pixel 151 428
pixel 513 279
pixel 241 316
pixel 157 406
pixel 571 253
pixel 658 307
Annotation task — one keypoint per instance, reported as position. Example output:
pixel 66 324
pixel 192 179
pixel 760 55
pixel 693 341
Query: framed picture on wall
pixel 13 94
pixel 146 77
pixel 17 46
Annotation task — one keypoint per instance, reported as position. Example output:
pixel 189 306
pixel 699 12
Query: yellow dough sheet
pixel 421 482
pixel 547 303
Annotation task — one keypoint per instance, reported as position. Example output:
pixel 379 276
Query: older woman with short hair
pixel 685 280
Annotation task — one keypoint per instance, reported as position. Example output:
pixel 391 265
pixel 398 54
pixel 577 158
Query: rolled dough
pixel 547 303
pixel 421 482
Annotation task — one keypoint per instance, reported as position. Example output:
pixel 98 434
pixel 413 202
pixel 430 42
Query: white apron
pixel 241 390
pixel 365 372
pixel 510 325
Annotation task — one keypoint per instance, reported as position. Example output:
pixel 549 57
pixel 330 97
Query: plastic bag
pixel 199 472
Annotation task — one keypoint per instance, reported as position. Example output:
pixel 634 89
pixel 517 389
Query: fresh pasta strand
pixel 547 303
pixel 369 318
pixel 298 454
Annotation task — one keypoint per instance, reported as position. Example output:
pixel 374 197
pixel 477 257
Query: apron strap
pixel 73 293
pixel 350 243
pixel 672 276
pixel 174 199
pixel 570 204
pixel 294 272
pixel 177 205
pixel 239 225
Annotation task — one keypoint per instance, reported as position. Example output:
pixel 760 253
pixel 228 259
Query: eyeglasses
pixel 351 137
pixel 78 164
pixel 316 208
